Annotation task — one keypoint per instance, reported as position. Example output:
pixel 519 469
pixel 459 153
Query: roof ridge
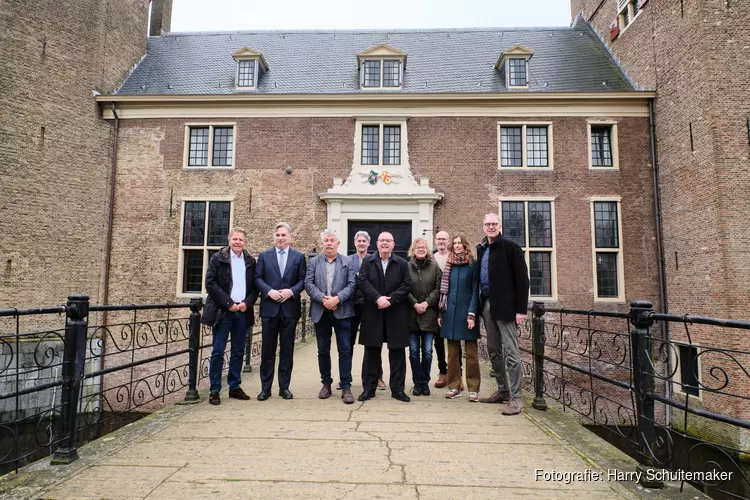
pixel 368 31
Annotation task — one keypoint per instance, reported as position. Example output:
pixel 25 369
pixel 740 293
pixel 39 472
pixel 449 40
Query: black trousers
pixel 373 366
pixel 277 330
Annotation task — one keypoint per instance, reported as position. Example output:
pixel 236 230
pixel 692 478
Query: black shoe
pixel 263 395
pixel 213 398
pixel 425 390
pixel 417 391
pixel 366 395
pixel 401 396
pixel 238 393
pixel 286 394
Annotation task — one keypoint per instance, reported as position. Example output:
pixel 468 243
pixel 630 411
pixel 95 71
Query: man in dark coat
pixel 385 283
pixel 280 278
pixel 229 307
pixel 504 297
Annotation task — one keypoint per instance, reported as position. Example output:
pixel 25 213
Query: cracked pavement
pixel 429 449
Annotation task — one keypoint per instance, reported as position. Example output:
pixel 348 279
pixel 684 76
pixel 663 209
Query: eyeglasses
pixel 420 248
pixel 491 224
pixel 385 241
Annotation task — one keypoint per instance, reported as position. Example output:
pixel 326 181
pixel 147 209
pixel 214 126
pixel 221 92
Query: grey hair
pixel 236 229
pixel 491 214
pixel 285 225
pixel 328 232
pixel 362 233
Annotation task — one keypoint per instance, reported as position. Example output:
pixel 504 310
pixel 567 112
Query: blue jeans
pixel 420 343
pixel 342 327
pixel 234 322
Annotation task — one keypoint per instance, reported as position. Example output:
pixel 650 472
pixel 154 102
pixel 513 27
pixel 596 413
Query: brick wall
pixel 459 155
pixel 697 58
pixel 54 149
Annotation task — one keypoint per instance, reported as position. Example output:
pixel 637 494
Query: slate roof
pixel 324 62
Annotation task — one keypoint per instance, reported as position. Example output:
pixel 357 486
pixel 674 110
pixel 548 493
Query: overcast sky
pixel 220 15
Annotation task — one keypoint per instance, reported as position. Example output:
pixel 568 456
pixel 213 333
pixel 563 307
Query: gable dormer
pixel 381 68
pixel 514 65
pixel 250 65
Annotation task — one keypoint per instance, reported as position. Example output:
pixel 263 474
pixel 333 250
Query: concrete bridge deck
pixel 429 449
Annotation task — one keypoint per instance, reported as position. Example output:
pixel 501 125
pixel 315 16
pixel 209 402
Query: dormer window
pixel 381 68
pixel 251 65
pixel 517 72
pixel 513 64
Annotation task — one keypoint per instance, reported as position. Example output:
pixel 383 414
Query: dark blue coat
pixel 268 277
pixel 463 298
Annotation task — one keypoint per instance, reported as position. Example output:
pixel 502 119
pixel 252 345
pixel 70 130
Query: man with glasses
pixel 503 297
pixel 385 283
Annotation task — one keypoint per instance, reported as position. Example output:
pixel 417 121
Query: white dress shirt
pixel 239 287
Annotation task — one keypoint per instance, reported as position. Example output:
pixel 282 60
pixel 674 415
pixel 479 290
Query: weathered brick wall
pixel 459 155
pixel 698 60
pixel 54 148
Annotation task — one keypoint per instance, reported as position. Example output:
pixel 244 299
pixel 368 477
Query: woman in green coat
pixel 423 313
pixel 459 302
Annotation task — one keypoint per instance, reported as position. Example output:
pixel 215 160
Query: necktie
pixel 282 261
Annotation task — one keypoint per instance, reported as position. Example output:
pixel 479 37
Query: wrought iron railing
pixel 680 404
pixel 71 370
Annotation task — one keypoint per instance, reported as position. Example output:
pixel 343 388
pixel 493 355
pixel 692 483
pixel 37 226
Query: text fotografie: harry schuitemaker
pixel 569 477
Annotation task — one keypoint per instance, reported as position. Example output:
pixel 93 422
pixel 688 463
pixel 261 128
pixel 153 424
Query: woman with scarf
pixel 459 303
pixel 423 313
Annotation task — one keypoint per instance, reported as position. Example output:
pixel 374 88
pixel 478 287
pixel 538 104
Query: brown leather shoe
pixel 238 393
pixel 515 406
pixel 213 398
pixel 347 396
pixel 325 392
pixel 496 397
pixel 442 381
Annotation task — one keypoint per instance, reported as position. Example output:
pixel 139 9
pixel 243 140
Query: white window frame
pixel 626 7
pixel 255 74
pixel 526 249
pixel 381 123
pixel 507 73
pixel 524 162
pixel 613 142
pixel 204 248
pixel 677 376
pixel 211 126
pixel 382 68
pixel 620 299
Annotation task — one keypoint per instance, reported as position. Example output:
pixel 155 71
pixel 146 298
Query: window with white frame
pixel 529 223
pixel 603 145
pixel 381 144
pixel 525 145
pixel 381 73
pixel 517 75
pixel 209 146
pixel 246 73
pixel 205 225
pixel 607 240
pixel 688 373
pixel 626 12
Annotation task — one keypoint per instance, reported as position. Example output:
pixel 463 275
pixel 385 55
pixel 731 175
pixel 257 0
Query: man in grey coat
pixel 330 284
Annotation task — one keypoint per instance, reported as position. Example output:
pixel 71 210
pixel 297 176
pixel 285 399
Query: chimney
pixel 161 17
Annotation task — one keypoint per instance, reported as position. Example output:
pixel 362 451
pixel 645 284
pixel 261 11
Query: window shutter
pixel 614 30
pixel 621 4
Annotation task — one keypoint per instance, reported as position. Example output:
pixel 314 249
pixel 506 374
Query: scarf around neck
pixel 445 282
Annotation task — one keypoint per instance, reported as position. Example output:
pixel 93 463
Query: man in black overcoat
pixel 385 283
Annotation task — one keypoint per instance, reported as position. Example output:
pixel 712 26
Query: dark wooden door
pixel 401 231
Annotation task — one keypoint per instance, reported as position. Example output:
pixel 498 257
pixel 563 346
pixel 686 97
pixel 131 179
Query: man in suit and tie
pixel 279 277
pixel 385 283
pixel 330 284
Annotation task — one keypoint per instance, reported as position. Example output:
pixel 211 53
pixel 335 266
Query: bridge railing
pixel 679 403
pixel 69 372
